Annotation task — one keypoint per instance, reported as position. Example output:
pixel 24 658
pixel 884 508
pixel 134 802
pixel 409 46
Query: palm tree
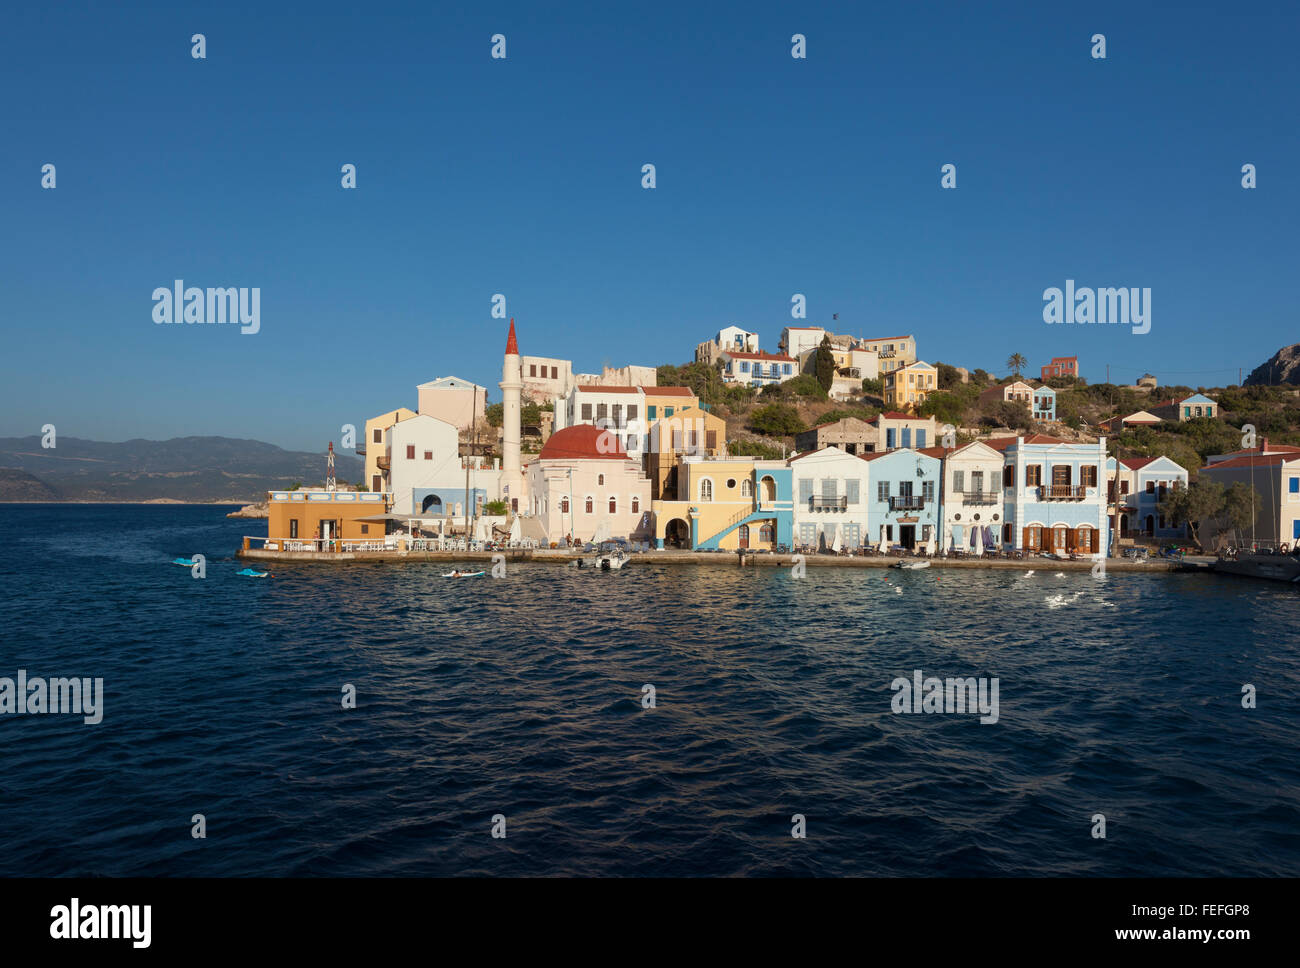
pixel 1016 363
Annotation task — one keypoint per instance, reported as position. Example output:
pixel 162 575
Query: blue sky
pixel 523 177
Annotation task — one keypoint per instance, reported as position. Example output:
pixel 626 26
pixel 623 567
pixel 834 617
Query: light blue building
pixel 1144 483
pixel 1053 494
pixel 1042 405
pixel 903 498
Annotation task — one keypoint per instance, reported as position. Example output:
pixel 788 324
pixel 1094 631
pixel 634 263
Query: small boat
pixel 249 573
pixel 187 562
pixel 1276 567
pixel 464 574
pixel 913 565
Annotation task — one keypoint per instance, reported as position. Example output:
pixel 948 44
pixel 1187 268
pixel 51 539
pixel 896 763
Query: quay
pixel 563 556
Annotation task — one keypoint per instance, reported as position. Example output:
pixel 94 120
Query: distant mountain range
pixel 1282 367
pixel 195 469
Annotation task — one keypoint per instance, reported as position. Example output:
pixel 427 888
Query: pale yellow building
pixel 907 387
pixel 375 446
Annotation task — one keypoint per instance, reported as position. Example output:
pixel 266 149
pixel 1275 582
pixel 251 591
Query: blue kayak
pixel 187 562
pixel 249 573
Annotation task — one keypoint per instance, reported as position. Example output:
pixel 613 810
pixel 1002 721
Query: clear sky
pixel 522 176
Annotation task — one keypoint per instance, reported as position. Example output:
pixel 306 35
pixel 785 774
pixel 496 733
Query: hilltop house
pixel 907 387
pixel 757 369
pixel 1188 408
pixel 728 338
pixel 1060 366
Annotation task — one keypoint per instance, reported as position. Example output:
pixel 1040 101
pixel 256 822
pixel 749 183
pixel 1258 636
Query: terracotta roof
pixel 895 415
pixel 1273 450
pixel 1002 443
pixel 583 442
pixel 884 339
pixel 512 345
pixel 778 357
pixel 1267 461
pixel 668 391
pixel 939 452
pixel 1137 463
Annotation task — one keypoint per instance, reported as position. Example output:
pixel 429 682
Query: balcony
pixel 1062 492
pixel 829 503
pixel 980 497
pixel 906 503
pixel 383 463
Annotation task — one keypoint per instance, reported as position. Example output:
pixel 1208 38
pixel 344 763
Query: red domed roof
pixel 583 442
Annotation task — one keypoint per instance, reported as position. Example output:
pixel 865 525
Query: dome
pixel 583 442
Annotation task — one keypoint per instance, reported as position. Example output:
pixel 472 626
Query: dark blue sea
pixel 521 696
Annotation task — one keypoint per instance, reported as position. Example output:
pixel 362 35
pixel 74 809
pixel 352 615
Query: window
pixel 428 455
pixel 1088 475
pixel 379 436
pixel 613 505
pixel 959 481
pixel 618 415
pixel 711 439
pixel 1293 485
pixel 564 505
pixel 600 479
pixel 1151 487
pixel 631 411
pixel 376 483
pixel 636 505
pixel 1123 487
pixel 927 491
pixel 907 436
pixel 746 488
pixel 410 451
pixel 668 411
pixel 889 438
pixel 293 527
pixel 1033 475
pixel 677 438
pixel 590 505
pixel 554 373
pixel 744 367
pixel 882 490
pixel 602 411
pixel 805 490
pixel 1009 476
pixel 851 490
pixel 977 481
pixel 1061 474
pixel 828 487
pixel 365 529
pixel 532 369
pixel 920 438
pixel 706 490
pixel 651 412
pixel 787 369
pixel 586 411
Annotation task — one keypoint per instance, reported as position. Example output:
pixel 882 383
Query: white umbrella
pixel 516 530
pixel 943 540
pixel 480 529
pixel 884 542
pixel 835 545
pixel 979 542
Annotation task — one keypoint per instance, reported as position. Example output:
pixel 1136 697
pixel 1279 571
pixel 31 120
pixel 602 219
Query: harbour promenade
pixel 729 559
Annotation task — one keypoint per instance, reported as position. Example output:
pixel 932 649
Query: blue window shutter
pixel 1295 485
pixel 907 436
pixel 920 437
pixel 889 438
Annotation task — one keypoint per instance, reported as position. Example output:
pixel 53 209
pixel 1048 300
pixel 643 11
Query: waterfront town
pixel 567 459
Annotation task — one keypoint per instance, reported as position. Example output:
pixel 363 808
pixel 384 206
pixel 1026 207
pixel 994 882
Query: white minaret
pixel 511 384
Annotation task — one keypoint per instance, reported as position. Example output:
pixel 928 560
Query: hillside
pixel 1282 367
pixel 198 469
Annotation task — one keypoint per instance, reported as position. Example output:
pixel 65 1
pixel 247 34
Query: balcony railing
pixel 1062 492
pixel 906 503
pixel 980 497
pixel 830 503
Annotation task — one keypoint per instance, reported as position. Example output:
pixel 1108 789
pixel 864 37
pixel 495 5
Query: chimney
pixel 1263 445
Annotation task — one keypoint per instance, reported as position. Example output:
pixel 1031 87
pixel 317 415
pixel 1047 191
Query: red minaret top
pixel 512 347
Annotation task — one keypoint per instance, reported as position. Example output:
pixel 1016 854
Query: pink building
pixel 584 485
pixel 1061 366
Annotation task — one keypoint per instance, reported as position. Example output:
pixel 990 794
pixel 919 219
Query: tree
pixel 496 414
pixel 948 376
pixel 1202 501
pixel 1239 505
pixel 776 420
pixel 1016 363
pixel 980 376
pixel 874 387
pixel 496 508
pixel 806 385
pixel 1009 413
pixel 944 407
pixel 825 364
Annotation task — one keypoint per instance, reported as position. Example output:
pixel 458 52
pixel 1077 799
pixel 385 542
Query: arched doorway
pixel 743 532
pixel 677 534
pixel 432 501
pixel 768 490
